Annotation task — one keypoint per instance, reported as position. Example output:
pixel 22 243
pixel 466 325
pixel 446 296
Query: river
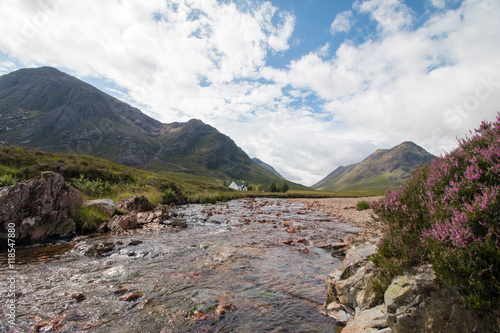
pixel 255 265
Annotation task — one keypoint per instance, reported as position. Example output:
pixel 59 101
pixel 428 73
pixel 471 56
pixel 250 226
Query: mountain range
pixel 385 168
pixel 46 109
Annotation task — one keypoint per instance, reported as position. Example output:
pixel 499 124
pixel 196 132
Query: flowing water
pixel 256 265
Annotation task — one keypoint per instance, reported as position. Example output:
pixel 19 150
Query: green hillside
pixel 46 109
pixel 382 169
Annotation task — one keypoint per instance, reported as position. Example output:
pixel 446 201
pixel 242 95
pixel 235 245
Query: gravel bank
pixel 345 209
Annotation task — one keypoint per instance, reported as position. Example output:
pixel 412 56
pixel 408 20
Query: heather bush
pixel 447 214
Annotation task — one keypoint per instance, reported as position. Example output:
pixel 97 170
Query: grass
pixel 88 219
pixel 98 178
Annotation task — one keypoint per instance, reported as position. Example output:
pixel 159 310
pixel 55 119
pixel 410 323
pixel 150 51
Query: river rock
pixel 415 303
pixel 121 222
pixel 137 203
pixel 100 249
pixel 137 219
pixel 412 302
pixel 348 283
pixel 341 313
pixel 42 207
pixel 371 320
pixel 104 205
pixel 157 215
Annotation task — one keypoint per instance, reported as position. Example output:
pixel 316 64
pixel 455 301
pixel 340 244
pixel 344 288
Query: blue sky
pixel 304 85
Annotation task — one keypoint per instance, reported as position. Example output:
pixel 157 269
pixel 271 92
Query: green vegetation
pixel 382 169
pixel 94 177
pixel 362 205
pixel 447 214
pixel 273 187
pixel 88 219
pixel 98 178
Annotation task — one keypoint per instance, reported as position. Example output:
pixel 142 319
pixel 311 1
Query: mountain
pixel 267 167
pixel 47 109
pixel 385 168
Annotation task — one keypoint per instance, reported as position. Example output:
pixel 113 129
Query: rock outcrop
pixel 141 213
pixel 412 302
pixel 348 287
pixel 416 303
pixel 137 203
pixel 40 208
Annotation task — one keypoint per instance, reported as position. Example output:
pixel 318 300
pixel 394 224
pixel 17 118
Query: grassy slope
pixel 121 181
pixel 382 169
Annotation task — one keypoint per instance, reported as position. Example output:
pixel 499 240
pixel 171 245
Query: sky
pixel 304 85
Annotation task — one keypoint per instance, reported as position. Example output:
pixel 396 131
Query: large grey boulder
pixel 371 320
pixel 40 208
pixel 106 206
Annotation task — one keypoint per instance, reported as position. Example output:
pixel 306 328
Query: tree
pixel 273 187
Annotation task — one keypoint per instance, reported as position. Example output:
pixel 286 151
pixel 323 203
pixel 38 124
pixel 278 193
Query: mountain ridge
pixel 47 109
pixel 385 168
pixel 267 167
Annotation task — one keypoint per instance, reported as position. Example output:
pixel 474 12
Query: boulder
pixel 157 215
pixel 412 302
pixel 348 283
pixel 40 208
pixel 341 313
pixel 100 249
pixel 137 219
pixel 371 320
pixel 415 303
pixel 121 222
pixel 104 205
pixel 134 203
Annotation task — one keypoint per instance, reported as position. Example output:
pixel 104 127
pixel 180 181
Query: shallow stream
pixel 256 265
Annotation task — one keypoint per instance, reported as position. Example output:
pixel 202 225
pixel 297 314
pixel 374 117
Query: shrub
pixel 8 176
pixel 169 196
pixel 91 187
pixel 362 205
pixel 448 214
pixel 7 180
pixel 88 219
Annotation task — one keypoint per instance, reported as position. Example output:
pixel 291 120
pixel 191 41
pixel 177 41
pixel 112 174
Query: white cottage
pixel 240 186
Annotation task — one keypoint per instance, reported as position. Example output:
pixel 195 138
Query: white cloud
pixel 438 3
pixel 391 15
pixel 6 67
pixel 429 84
pixel 342 22
pixel 207 60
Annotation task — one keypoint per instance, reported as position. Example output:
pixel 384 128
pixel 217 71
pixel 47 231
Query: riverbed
pixel 250 265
